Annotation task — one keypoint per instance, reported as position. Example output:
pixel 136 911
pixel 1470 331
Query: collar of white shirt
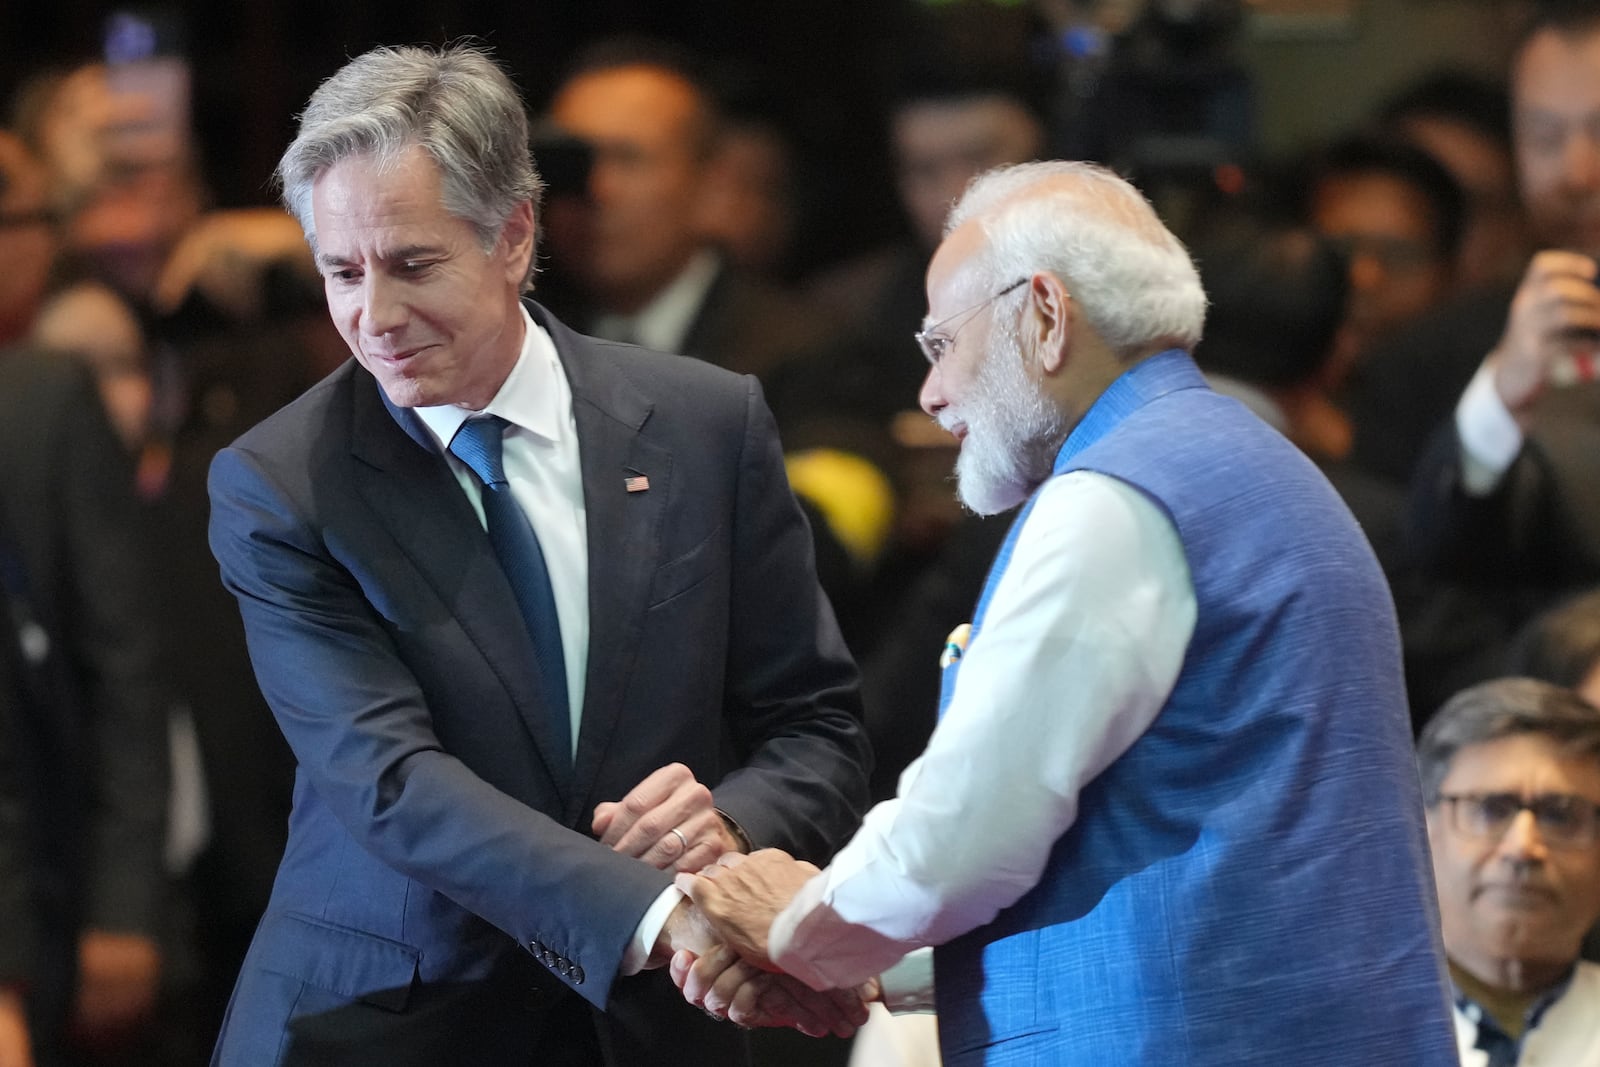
pixel 664 323
pixel 533 395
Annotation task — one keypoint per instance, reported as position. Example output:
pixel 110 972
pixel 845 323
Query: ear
pixel 516 238
pixel 1049 324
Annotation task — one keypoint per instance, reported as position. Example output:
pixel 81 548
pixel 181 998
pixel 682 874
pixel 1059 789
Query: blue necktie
pixel 478 445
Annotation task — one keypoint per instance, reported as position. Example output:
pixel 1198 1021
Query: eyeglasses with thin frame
pixel 935 344
pixel 1564 820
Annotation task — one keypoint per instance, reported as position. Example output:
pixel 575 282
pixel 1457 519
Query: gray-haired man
pixel 1511 774
pixel 486 655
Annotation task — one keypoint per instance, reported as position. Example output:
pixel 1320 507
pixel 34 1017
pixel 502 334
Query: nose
pixel 1522 842
pixel 929 396
pixel 382 309
pixel 1366 272
pixel 605 178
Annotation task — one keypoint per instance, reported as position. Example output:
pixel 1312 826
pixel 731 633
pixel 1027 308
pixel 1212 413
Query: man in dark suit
pixel 475 689
pixel 85 702
pixel 646 267
pixel 17 948
pixel 1503 500
pixel 81 707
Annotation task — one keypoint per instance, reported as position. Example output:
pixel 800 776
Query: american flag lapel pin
pixel 636 483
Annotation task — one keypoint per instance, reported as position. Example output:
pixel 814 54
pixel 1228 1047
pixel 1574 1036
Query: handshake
pixel 720 958
pixel 716 940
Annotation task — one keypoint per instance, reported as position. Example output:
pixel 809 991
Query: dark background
pixel 819 68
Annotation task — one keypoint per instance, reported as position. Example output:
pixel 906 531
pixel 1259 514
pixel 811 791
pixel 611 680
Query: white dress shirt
pixel 546 479
pixel 541 463
pixel 1081 646
pixel 1566 1034
pixel 1489 435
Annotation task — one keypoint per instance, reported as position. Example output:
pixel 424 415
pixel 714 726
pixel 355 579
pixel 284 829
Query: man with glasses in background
pixel 1511 773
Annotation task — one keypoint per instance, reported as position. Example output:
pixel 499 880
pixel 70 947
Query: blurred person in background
pixel 648 269
pixel 1397 214
pixel 1463 119
pixel 19 946
pixel 1278 292
pixel 90 320
pixel 946 126
pixel 230 326
pixel 1561 645
pixel 1504 501
pixel 749 207
pixel 84 707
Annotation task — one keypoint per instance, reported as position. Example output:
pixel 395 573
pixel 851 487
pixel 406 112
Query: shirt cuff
pixel 811 941
pixel 1489 435
pixel 648 931
pixel 785 940
pixel 908 985
pixel 742 838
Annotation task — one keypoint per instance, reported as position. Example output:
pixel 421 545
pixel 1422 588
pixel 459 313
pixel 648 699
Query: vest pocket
pixel 351 963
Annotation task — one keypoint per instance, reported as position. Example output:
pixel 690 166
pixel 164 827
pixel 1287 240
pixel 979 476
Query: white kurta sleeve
pixel 1080 648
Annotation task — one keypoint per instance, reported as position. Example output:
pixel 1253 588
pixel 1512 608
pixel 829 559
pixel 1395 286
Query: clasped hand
pixel 735 979
pixel 717 941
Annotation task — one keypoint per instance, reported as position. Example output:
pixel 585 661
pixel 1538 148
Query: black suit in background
pixel 18 947
pixel 1502 558
pixel 1408 385
pixel 1462 584
pixel 228 376
pixel 1540 529
pixel 751 326
pixel 900 679
pixel 90 714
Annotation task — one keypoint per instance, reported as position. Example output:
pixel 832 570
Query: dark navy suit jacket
pixel 441 899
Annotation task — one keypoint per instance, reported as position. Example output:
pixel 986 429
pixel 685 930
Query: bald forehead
pixel 992 128
pixel 639 92
pixel 1554 63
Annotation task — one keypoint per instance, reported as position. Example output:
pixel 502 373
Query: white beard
pixel 1013 431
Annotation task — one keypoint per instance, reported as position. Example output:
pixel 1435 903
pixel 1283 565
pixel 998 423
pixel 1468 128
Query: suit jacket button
pixel 577 975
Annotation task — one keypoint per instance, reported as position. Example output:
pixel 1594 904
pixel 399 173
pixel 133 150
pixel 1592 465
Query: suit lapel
pixel 623 534
pixel 420 504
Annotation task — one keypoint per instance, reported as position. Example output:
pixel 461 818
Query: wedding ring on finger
pixel 684 841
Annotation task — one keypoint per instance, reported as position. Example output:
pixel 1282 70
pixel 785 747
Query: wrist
pixel 685 930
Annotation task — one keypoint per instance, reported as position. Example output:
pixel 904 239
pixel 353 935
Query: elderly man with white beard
pixel 1169 814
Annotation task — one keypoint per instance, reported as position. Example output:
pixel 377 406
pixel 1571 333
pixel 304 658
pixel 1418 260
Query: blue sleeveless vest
pixel 1249 884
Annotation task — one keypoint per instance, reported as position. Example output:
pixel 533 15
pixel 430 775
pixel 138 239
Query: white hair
pixel 454 102
pixel 1133 279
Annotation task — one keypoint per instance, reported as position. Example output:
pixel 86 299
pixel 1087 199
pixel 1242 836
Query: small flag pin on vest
pixel 636 483
pixel 955 645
